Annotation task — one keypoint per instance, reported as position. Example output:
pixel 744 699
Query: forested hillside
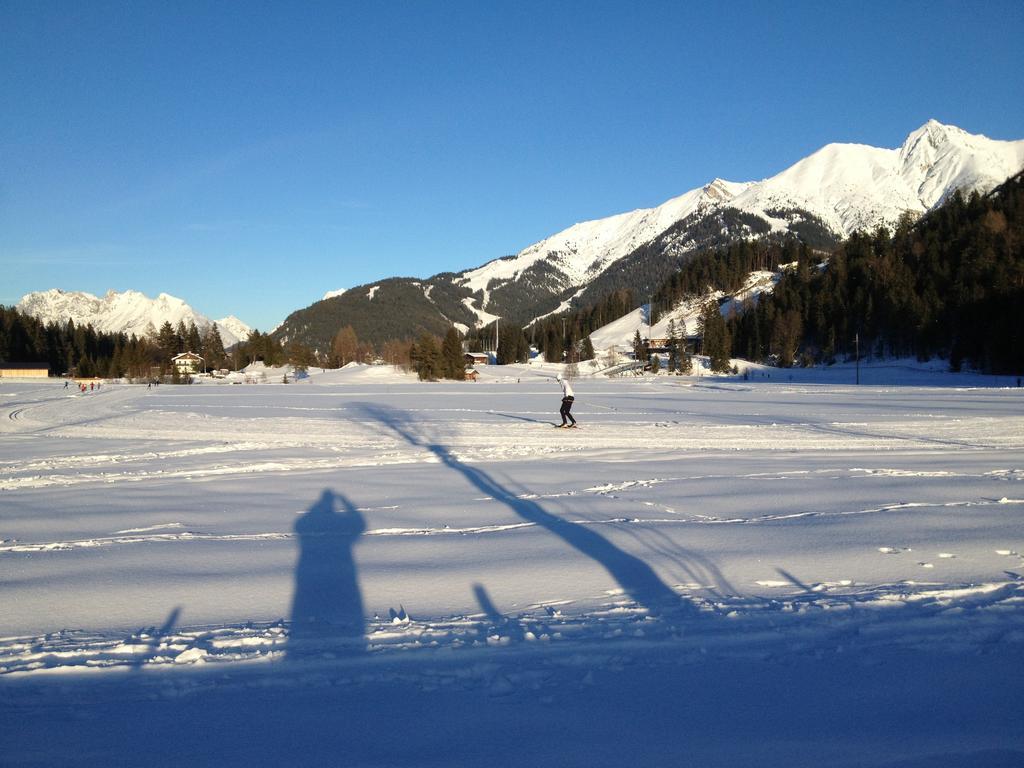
pixel 950 285
pixel 396 308
pixel 81 350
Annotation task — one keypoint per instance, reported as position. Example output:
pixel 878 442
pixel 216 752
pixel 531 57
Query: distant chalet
pixel 24 370
pixel 187 362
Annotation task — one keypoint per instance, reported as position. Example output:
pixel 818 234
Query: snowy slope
pixel 821 199
pixel 619 333
pixel 375 571
pixel 851 186
pixel 584 250
pixel 845 187
pixel 127 312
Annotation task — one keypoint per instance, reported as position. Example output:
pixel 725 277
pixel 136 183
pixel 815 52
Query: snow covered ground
pixel 359 569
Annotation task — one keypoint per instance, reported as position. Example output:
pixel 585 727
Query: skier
pixel 567 399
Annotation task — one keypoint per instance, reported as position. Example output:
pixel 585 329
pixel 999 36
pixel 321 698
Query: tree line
pixel 73 349
pixel 950 285
pixel 80 350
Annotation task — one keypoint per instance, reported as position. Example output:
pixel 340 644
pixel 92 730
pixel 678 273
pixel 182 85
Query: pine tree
pixel 552 347
pixel 168 342
pixel 512 346
pixel 428 358
pixel 673 347
pixel 587 349
pixel 453 362
pixel 115 368
pixel 639 348
pixel 213 348
pixel 299 355
pixel 193 342
pixel 259 347
pixel 715 337
pixel 685 360
pixel 181 333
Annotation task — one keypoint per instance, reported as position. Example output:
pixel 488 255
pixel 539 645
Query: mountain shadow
pixel 327 607
pixel 631 573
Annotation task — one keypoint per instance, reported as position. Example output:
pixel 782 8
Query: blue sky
pixel 250 156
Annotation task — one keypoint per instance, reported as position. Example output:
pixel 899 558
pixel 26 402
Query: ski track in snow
pixel 350 450
pixel 645 453
pixel 148 535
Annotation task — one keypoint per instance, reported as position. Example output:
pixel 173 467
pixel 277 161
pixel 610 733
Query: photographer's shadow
pixel 327 608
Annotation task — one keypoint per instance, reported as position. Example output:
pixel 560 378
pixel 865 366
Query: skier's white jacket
pixel 566 389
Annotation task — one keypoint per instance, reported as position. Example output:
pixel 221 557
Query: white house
pixel 187 363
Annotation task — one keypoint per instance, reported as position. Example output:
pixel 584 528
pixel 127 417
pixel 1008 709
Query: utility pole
pixel 856 346
pixel 650 318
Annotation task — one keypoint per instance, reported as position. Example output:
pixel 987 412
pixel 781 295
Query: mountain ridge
pixel 820 199
pixel 125 312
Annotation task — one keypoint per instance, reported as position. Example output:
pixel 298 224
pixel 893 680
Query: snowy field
pixel 359 569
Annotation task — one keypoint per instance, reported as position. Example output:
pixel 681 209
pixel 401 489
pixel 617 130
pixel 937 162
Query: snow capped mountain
pixel 842 187
pixel 232 328
pixel 852 186
pixel 821 199
pixel 584 250
pixel 127 312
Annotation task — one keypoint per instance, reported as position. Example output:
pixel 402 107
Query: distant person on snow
pixel 567 399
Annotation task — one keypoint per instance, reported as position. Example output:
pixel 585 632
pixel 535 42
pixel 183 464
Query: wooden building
pixel 24 370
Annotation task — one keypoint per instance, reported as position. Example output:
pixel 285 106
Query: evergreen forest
pixel 949 285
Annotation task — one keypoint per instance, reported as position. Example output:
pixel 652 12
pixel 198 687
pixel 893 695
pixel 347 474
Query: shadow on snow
pixel 631 573
pixel 327 606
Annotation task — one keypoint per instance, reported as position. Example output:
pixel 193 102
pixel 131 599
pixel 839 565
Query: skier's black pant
pixel 566 407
